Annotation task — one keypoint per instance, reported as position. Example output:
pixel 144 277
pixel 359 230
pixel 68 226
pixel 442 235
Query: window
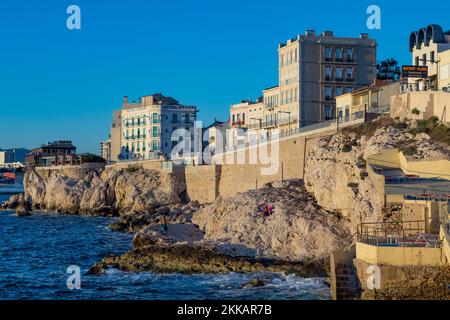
pixel 339 91
pixel 243 118
pixel 328 53
pixel 348 89
pixel 327 73
pixel 349 73
pixel 338 54
pixel 328 112
pixel 432 56
pixel 155 132
pixel 339 73
pixel 234 120
pixel 417 60
pixel 349 54
pixel 282 60
pixel 295 55
pixel 155 118
pixel 424 59
pixel 174 118
pixel 327 91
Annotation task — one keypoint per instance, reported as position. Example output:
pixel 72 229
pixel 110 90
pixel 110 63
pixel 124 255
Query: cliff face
pixel 102 191
pixel 336 170
pixel 297 229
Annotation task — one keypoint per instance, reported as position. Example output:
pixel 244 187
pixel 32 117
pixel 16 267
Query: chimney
pixel 364 36
pixel 125 100
pixel 310 33
pixel 327 33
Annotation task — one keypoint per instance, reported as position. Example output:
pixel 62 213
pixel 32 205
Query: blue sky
pixel 61 84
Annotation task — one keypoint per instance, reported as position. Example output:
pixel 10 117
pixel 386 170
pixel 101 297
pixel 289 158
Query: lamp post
pixel 289 118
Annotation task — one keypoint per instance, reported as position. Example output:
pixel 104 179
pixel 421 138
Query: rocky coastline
pixel 287 226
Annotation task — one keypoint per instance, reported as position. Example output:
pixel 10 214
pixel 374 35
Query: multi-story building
pixel 57 152
pixel 105 149
pixel 430 47
pixel 215 131
pixel 116 134
pixel 6 156
pixel 145 127
pixel 313 70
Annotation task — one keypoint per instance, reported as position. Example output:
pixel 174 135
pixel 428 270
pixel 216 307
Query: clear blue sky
pixel 61 84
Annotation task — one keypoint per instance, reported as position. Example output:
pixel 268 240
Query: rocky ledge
pixel 236 235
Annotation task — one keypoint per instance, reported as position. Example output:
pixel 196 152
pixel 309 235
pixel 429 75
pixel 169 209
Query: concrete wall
pixel 393 158
pixel 429 103
pixel 399 256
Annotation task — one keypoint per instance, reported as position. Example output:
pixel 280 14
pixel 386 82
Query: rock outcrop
pixel 103 192
pixel 297 230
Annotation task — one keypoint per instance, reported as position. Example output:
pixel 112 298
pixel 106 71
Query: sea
pixel 40 257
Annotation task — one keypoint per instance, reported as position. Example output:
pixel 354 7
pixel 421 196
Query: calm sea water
pixel 36 251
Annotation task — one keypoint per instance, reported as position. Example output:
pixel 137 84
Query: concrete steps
pixel 347 283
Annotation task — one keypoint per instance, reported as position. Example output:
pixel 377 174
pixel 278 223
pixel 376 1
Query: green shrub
pixel 133 168
pixel 415 111
pixel 346 147
pixel 409 150
pixel 352 185
pixel 361 163
pixel 363 175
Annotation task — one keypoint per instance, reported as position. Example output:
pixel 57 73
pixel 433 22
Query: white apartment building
pixel 146 126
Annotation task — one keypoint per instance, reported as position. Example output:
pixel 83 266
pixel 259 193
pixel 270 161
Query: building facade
pixel 145 128
pixel 6 156
pixel 54 153
pixel 313 70
pixel 430 47
pixel 105 150
pixel 374 98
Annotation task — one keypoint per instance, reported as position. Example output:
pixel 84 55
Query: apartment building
pixel 313 70
pixel 144 128
pixel 430 47
pixel 105 149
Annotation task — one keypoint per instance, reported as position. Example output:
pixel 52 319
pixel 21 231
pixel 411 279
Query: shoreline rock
pixel 191 259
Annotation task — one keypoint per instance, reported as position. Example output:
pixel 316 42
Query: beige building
pixel 145 128
pixel 116 135
pixel 105 150
pixel 430 47
pixel 374 98
pixel 313 70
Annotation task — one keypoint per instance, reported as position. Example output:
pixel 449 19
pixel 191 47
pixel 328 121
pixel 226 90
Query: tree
pixel 388 70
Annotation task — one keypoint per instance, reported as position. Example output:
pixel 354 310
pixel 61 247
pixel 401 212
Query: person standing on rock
pixel 163 226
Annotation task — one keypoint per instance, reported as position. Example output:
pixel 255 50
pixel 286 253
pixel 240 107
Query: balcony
pixel 238 123
pixel 349 79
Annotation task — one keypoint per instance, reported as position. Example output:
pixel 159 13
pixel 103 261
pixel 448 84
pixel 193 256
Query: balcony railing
pixel 238 123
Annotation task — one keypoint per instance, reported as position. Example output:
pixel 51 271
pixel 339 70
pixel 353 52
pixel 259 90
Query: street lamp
pixel 289 118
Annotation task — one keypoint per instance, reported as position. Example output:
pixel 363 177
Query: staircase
pixel 347 283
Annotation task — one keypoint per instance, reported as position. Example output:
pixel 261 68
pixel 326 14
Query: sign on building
pixel 414 72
